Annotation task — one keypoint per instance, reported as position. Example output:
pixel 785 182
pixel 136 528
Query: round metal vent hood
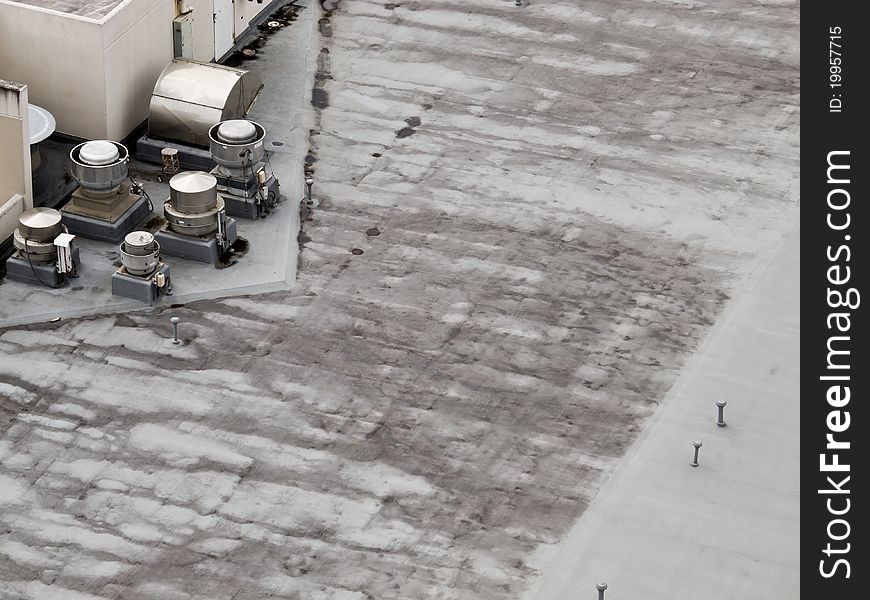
pixel 40 122
pixel 236 131
pixel 40 223
pixel 99 153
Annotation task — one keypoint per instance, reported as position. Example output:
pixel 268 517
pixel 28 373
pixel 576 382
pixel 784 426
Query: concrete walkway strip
pixel 729 528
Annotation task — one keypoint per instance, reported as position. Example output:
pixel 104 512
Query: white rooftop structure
pixel 93 65
pixel 96 9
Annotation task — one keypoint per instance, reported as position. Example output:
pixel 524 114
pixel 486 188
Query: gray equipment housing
pixel 144 289
pixel 200 249
pixel 246 203
pixel 18 268
pixel 190 158
pixel 106 231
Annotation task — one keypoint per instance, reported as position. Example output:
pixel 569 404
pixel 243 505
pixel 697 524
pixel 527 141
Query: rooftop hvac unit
pixel 44 250
pixel 245 180
pixel 142 274
pixel 107 205
pixel 197 226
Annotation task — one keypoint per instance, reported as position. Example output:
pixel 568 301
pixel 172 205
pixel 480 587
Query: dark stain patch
pixel 310 159
pixel 155 223
pixel 427 106
pixel 319 98
pixel 145 172
pixel 325 26
pixel 239 248
pixel 248 53
pixel 391 6
pixel 373 232
pixel 306 213
pixel 329 6
pixel 277 143
pixel 376 154
pixel 324 66
pixel 405 132
pixel 282 17
pixel 356 251
pixel 413 121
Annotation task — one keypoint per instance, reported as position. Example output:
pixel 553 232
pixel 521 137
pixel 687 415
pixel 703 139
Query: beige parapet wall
pixel 16 192
pixel 60 58
pixel 96 75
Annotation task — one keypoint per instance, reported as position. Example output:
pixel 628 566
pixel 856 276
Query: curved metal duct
pixel 191 96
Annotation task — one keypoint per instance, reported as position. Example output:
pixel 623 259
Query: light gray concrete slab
pixel 730 528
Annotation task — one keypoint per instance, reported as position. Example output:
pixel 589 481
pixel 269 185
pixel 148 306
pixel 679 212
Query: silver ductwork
pixel 191 96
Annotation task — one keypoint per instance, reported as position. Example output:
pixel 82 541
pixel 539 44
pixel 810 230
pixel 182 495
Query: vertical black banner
pixel 835 422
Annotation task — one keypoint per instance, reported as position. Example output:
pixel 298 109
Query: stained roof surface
pixel 542 242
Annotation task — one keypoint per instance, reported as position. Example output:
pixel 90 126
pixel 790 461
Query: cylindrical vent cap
pixel 40 223
pixel 99 153
pixel 237 131
pixel 139 243
pixel 192 182
pixel 193 192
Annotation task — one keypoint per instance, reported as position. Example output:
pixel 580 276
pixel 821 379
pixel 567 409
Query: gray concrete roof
pixel 730 527
pixel 94 9
pixel 557 206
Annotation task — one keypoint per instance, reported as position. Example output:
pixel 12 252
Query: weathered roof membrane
pixel 489 308
pixel 92 9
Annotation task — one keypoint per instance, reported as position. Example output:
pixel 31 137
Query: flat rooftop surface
pixel 92 9
pixel 729 528
pixel 530 225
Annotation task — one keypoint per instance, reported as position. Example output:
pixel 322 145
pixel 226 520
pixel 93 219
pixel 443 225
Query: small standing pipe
pixel 174 321
pixel 308 182
pixel 601 587
pixel 720 404
pixel 697 445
